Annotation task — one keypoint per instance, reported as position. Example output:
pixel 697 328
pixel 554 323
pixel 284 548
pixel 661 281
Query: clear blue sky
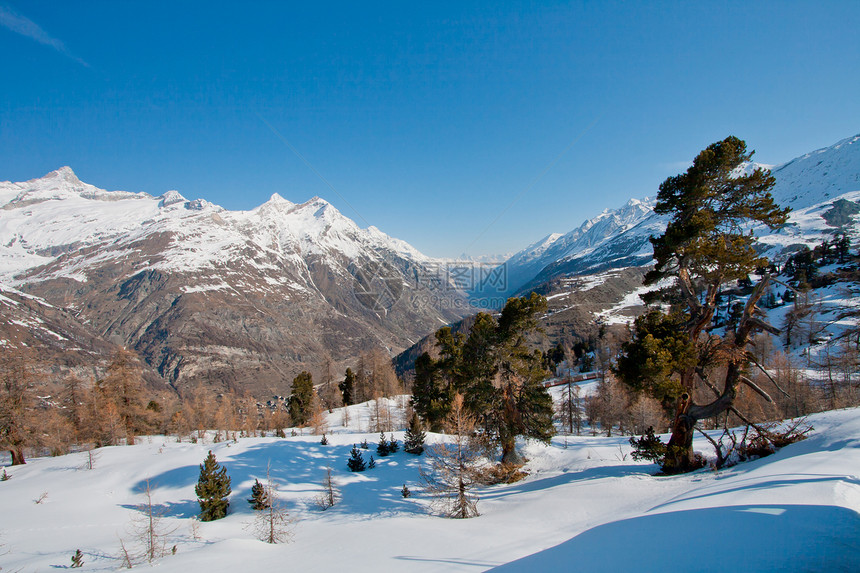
pixel 454 126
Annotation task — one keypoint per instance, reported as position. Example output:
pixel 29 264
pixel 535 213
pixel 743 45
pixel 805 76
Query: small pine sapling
pixel 259 499
pixel 364 445
pixel 273 524
pixel 371 464
pixel 648 447
pixel 382 448
pixel 413 441
pixel 324 441
pixel 77 559
pixel 393 446
pixel 405 491
pixel 356 462
pixel 330 494
pixel 212 489
pixel 4 476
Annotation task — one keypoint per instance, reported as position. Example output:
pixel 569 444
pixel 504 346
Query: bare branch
pixel 752 359
pixel 758 390
pixel 764 326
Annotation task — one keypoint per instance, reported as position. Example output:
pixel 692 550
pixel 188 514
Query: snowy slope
pixel 585 239
pixel 585 505
pixel 821 175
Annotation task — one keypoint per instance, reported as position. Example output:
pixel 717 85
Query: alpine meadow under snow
pixel 584 505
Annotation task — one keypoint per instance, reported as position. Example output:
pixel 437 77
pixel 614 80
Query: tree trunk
pixel 679 453
pixel 17 456
pixel 509 452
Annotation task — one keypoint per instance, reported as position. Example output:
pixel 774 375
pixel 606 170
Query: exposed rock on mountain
pixel 231 299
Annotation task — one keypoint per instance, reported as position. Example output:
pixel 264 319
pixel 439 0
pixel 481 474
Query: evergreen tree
pixel 302 399
pixel 364 445
pixel 78 559
pixel 499 377
pixel 707 243
pixel 431 390
pixel 347 388
pixel 405 491
pixel 382 448
pixel 413 442
pixel 393 446
pixel 324 441
pixel 371 464
pixel 259 499
pixel 212 489
pixel 356 462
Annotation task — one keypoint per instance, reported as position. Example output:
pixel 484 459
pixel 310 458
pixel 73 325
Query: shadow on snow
pixel 751 538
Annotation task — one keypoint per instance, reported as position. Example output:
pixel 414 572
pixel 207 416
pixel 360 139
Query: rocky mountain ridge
pixel 238 299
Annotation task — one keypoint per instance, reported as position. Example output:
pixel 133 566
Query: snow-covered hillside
pixel 585 505
pixel 580 242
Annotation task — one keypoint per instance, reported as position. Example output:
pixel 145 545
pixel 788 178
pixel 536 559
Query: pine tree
pixel 405 491
pixel 347 387
pixel 707 243
pixel 382 448
pixel 77 559
pixel 364 445
pixel 393 446
pixel 212 489
pixel 324 441
pixel 371 464
pixel 414 438
pixel 302 398
pixel 356 462
pixel 259 499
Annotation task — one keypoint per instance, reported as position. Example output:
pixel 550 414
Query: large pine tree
pixel 707 243
pixel 212 489
pixel 497 373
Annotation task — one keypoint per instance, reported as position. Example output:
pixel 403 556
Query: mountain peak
pixel 170 198
pixel 64 173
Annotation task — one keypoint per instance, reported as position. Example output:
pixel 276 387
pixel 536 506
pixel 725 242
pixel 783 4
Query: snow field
pixel 586 504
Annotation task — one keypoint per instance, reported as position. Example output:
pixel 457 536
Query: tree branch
pixel 758 390
pixel 752 359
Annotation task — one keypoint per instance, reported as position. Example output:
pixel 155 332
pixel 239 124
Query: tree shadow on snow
pixel 785 538
pixel 298 469
pixel 589 474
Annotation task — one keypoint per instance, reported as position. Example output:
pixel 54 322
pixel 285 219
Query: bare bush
pixel 453 470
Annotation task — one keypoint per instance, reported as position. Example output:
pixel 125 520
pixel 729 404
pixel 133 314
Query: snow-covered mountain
pixel 619 238
pixel 523 267
pixel 237 298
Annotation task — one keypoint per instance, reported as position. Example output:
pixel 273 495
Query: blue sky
pixel 462 126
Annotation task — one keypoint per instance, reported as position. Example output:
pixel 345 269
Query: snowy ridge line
pixel 45 218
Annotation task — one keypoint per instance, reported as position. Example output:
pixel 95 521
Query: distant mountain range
pixel 223 298
pixel 247 299
pixel 619 238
